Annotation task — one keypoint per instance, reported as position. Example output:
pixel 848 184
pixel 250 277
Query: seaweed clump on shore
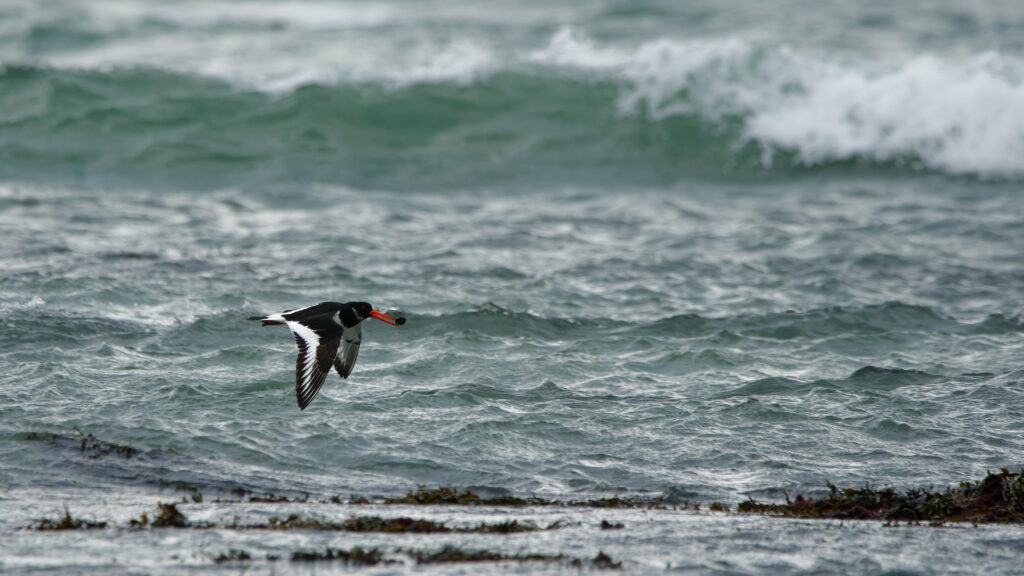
pixel 356 556
pixel 998 498
pixel 88 445
pixel 94 448
pixel 506 527
pixel 616 502
pixel 378 524
pixel 602 562
pixel 170 517
pixel 391 525
pixel 451 554
pixel 232 555
pixel 67 523
pixel 447 555
pixel 357 524
pixel 445 495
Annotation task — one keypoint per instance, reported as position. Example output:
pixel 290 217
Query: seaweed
pixel 600 562
pixel 94 448
pixel 232 556
pixel 605 562
pixel 88 444
pixel 506 527
pixel 451 554
pixel 616 502
pixel 423 496
pixel 378 524
pixel 446 495
pixel 446 555
pixel 998 498
pixel 170 517
pixel 67 523
pixel 356 556
pixel 449 495
pixel 356 524
pixel 441 495
pixel 388 525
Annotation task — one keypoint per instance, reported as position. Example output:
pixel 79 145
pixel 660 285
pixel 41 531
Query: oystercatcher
pixel 326 333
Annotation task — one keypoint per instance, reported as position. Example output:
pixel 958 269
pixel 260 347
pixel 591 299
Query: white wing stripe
pixel 312 341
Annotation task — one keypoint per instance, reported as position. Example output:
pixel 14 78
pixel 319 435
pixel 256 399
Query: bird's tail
pixel 265 321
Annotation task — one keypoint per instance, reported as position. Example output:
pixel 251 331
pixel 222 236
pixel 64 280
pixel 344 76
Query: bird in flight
pixel 326 333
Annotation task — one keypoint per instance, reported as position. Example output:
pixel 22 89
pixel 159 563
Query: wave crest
pixel 957 116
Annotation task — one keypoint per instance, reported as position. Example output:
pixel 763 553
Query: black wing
pixel 313 363
pixel 346 359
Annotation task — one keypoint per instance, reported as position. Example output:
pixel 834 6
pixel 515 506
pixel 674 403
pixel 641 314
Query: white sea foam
pixel 263 45
pixel 960 117
pixel 963 116
pixel 303 14
pixel 459 62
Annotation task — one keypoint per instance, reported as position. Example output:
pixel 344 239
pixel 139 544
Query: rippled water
pixel 642 250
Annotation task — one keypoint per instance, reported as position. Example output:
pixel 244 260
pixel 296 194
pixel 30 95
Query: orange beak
pixel 387 319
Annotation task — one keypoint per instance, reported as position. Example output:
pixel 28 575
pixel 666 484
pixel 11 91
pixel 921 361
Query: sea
pixel 694 252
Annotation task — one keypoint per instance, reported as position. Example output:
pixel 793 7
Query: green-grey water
pixel 701 252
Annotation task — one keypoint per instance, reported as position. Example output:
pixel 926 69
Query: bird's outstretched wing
pixel 346 359
pixel 313 363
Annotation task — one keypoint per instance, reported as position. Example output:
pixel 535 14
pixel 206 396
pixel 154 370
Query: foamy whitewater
pixel 702 253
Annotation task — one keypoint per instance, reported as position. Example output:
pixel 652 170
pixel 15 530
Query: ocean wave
pixel 958 116
pixel 664 108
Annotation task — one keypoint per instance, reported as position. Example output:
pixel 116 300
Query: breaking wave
pixel 666 107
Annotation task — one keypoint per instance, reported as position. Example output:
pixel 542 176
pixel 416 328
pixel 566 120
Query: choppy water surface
pixel 687 253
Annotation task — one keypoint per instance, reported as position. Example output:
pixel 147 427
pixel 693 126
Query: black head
pixel 356 312
pixel 353 313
